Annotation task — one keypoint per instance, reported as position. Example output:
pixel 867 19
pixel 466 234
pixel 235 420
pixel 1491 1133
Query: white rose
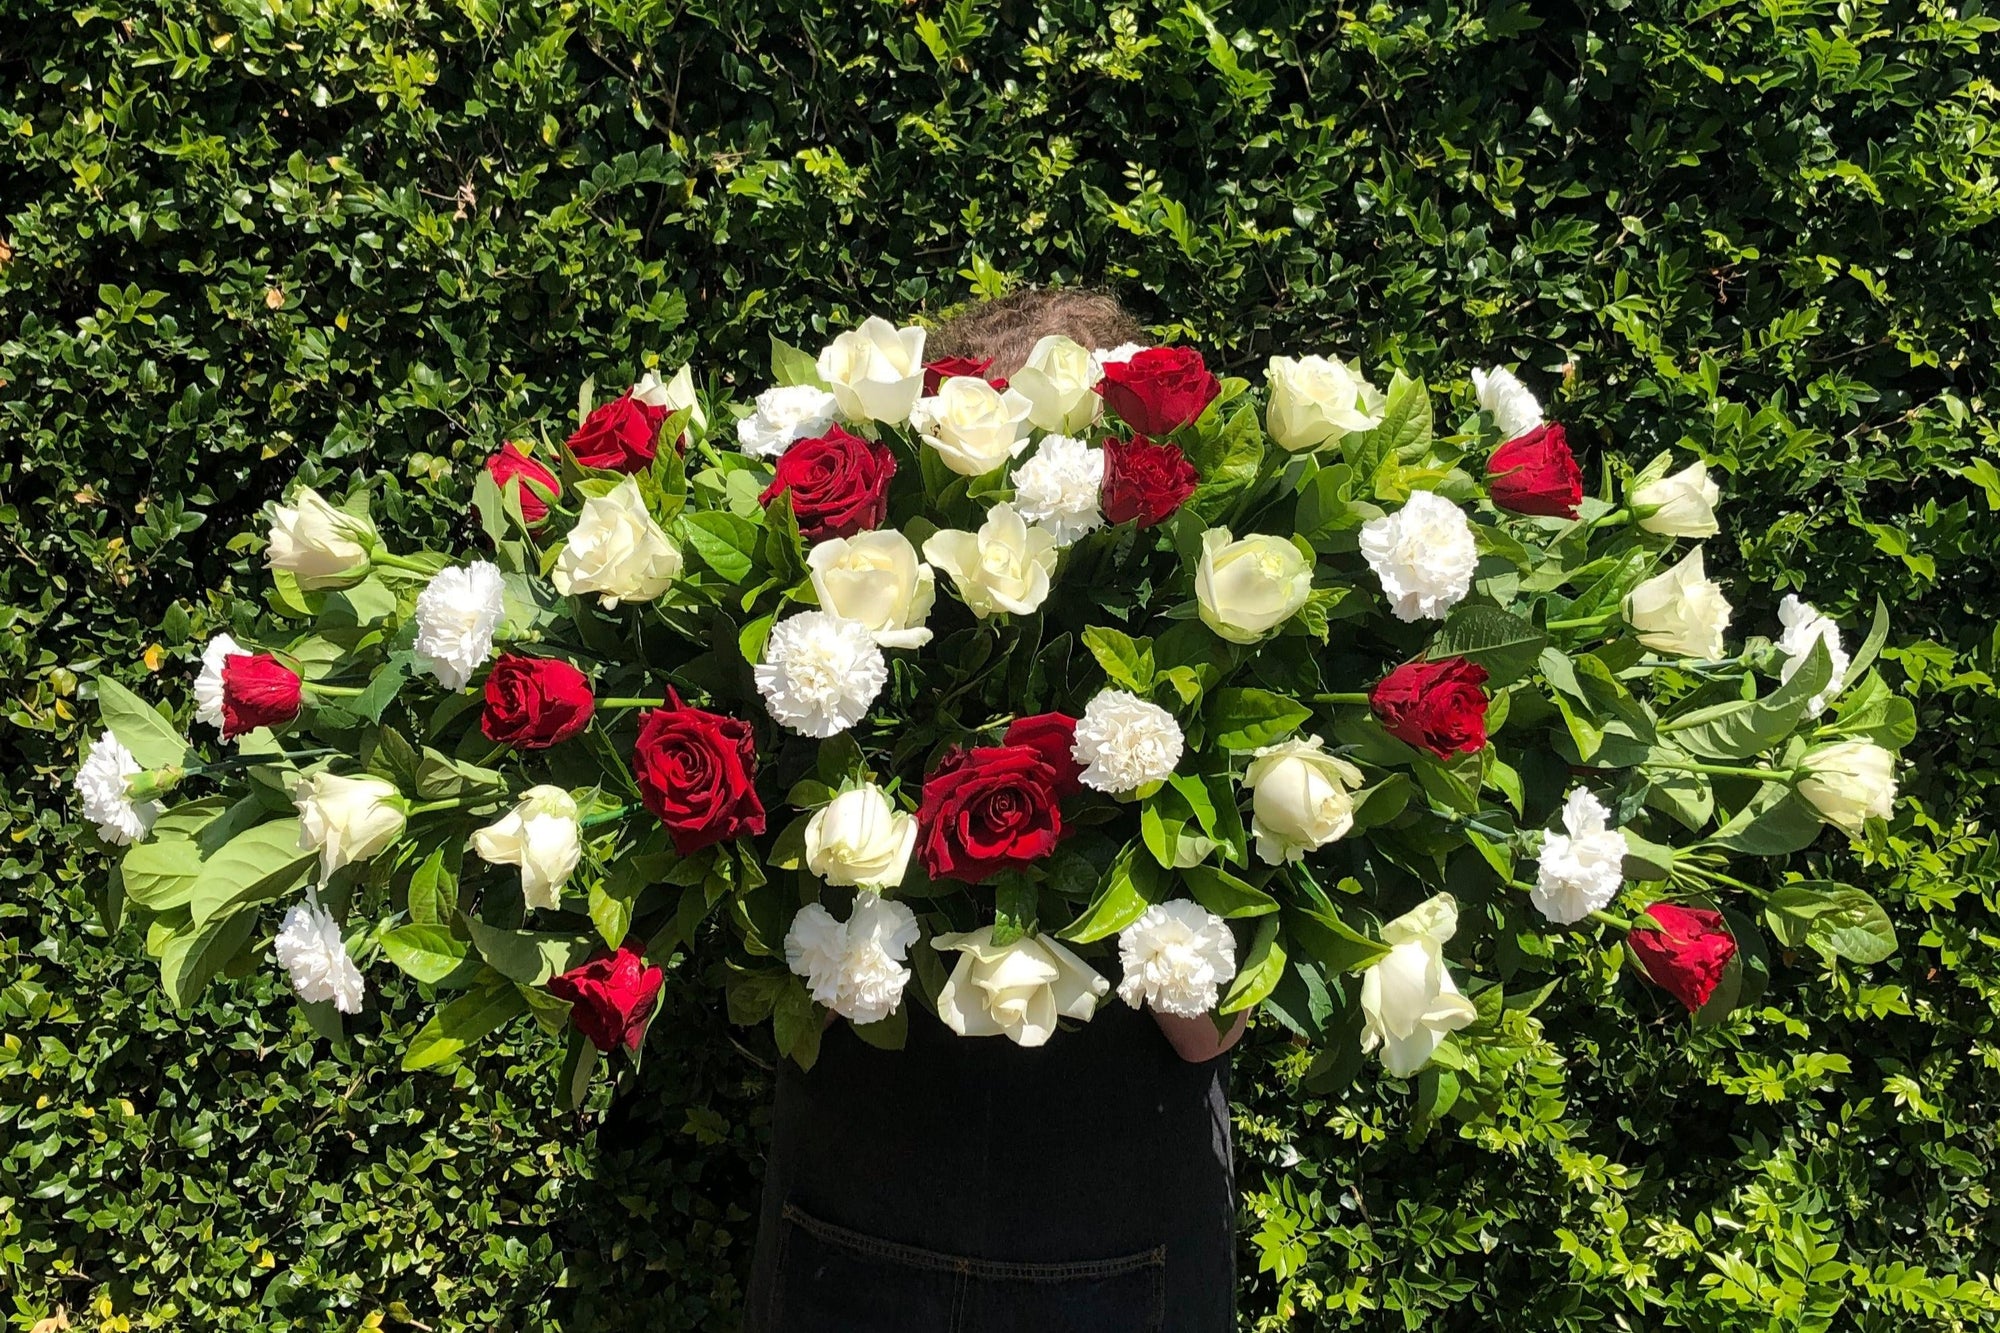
pixel 820 673
pixel 1058 487
pixel 860 837
pixel 1408 1001
pixel 1504 398
pixel 854 967
pixel 617 551
pixel 1245 589
pixel 1680 611
pixel 1805 627
pixel 1315 401
pixel 1015 990
pixel 1682 505
pixel 1301 798
pixel 541 835
pixel 875 580
pixel 208 683
pixel 1005 566
pixel 100 782
pixel 1177 957
pixel 974 427
pixel 457 614
pixel 784 416
pixel 319 545
pixel 1124 742
pixel 1580 870
pixel 875 371
pixel 1424 554
pixel 1059 380
pixel 315 958
pixel 1115 356
pixel 347 819
pixel 675 395
pixel 1850 783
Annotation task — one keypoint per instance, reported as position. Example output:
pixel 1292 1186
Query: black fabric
pixel 965 1185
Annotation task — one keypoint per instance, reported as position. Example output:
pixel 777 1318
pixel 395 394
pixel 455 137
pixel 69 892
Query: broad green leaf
pixel 791 365
pixel 1242 718
pixel 527 956
pixel 1322 936
pixel 1262 966
pixel 1776 822
pixel 259 864
pixel 139 726
pixel 1132 884
pixel 1741 729
pixel 195 955
pixel 725 542
pixel 1506 645
pixel 1127 661
pixel 1224 894
pixel 890 1033
pixel 427 953
pixel 464 1021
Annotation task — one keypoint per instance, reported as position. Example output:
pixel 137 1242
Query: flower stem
pixel 605 816
pixel 332 691
pixel 1723 770
pixel 1584 622
pixel 391 560
pixel 1347 697
pixel 1612 519
pixel 1611 919
pixel 631 703
pixel 451 803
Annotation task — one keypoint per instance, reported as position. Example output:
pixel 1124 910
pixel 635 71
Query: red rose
pixel 695 773
pixel 257 691
pixel 1159 390
pixel 611 998
pixel 1145 481
pixel 1053 736
pixel 986 810
pixel 1435 706
pixel 534 702
pixel 950 367
pixel 1536 474
pixel 538 484
pixel 839 484
pixel 1685 956
pixel 623 435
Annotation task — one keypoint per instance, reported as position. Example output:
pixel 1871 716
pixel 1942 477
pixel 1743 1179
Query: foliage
pixel 248 240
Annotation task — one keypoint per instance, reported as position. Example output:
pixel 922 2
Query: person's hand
pixel 1196 1040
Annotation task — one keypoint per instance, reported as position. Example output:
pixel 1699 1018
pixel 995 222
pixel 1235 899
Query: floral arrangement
pixel 902 684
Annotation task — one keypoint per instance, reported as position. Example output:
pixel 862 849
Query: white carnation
pixel 1424 555
pixel 1124 742
pixel 101 783
pixel 1508 401
pixel 784 416
pixel 1057 487
pixel 1804 627
pixel 1116 356
pixel 208 684
pixel 309 948
pixel 1580 871
pixel 854 967
pixel 820 673
pixel 457 614
pixel 1177 957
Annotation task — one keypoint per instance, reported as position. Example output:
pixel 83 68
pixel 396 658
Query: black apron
pixel 966 1185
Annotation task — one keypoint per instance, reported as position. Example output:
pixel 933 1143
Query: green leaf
pixel 796 1022
pixel 1329 941
pixel 161 873
pixel 1015 908
pixel 1776 822
pixel 139 726
pixel 1506 645
pixel 725 542
pixel 527 956
pixel 1224 894
pixel 1258 974
pixel 1242 718
pixel 254 866
pixel 1836 920
pixel 1132 884
pixel 464 1021
pixel 790 365
pixel 427 953
pixel 1743 728
pixel 1127 661
pixel 611 911
pixel 889 1034
pixel 194 956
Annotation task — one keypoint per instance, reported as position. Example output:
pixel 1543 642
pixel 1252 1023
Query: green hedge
pixel 252 238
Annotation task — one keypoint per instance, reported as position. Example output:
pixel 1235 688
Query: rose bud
pixel 611 998
pixel 696 774
pixel 1159 390
pixel 1536 474
pixel 1145 482
pixel 1053 736
pixel 1686 953
pixel 986 810
pixel 538 485
pixel 839 484
pixel 623 435
pixel 532 703
pixel 257 691
pixel 950 367
pixel 1436 706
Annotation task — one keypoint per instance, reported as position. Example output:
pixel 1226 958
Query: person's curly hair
pixel 1008 327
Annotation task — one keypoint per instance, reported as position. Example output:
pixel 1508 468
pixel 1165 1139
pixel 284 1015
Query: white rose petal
pixel 1424 554
pixel 1005 566
pixel 875 579
pixel 1805 627
pixel 1245 589
pixel 617 551
pixel 1015 990
pixel 820 673
pixel 1682 505
pixel 1059 380
pixel 854 967
pixel 319 545
pixel 675 395
pixel 972 426
pixel 1124 742
pixel 541 835
pixel 784 416
pixel 310 950
pixel 1115 356
pixel 1301 798
pixel 208 683
pixel 1316 401
pixel 1508 401
pixel 100 782
pixel 1850 783
pixel 1680 612
pixel 1581 870
pixel 1409 1003
pixel 1058 486
pixel 875 372
pixel 457 614
pixel 347 819
pixel 1177 956
pixel 860 837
